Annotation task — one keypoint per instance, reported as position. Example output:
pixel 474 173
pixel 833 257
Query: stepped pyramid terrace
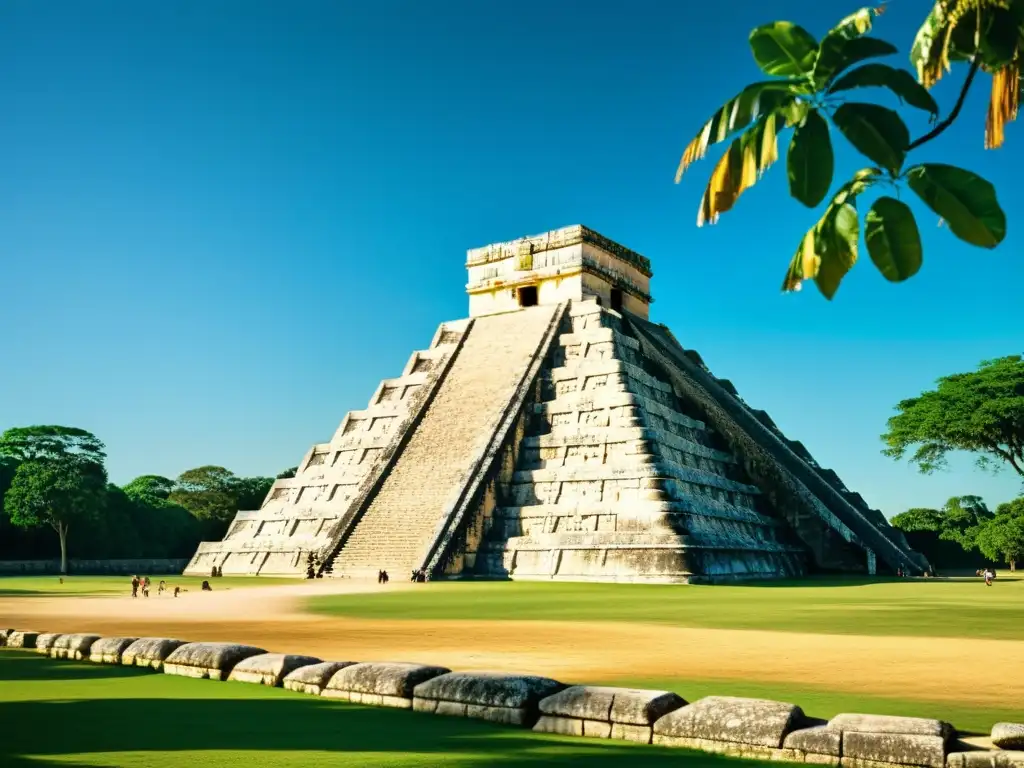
pixel 557 433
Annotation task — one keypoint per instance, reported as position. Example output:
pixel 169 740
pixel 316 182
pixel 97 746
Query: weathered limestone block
pixel 4 633
pixel 606 712
pixel 22 638
pixel 313 679
pixel 108 650
pixel 149 652
pixel 816 740
pixel 1008 735
pixel 918 726
pixel 208 660
pixel 891 740
pixel 73 646
pixel 986 758
pixel 45 642
pixel 752 722
pixel 382 684
pixel 894 748
pixel 494 696
pixel 269 668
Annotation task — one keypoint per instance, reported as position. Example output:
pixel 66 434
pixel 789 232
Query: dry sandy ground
pixel 963 670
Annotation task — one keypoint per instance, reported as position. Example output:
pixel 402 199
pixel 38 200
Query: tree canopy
pixel 981 412
pixel 817 87
pixel 1002 537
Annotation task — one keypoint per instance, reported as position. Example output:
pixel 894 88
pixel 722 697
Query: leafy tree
pixel 251 491
pixel 155 486
pixel 58 494
pixel 817 84
pixel 60 479
pixel 1002 537
pixel 290 472
pixel 919 519
pixel 208 493
pixel 946 536
pixel 980 412
pixel 166 529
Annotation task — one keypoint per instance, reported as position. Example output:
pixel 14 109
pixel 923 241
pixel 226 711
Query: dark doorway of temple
pixel 528 296
pixel 617 299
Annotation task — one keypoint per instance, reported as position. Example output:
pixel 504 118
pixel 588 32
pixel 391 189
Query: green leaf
pixel 878 133
pixel 836 244
pixel 837 53
pixel 899 81
pixel 810 160
pixel 783 48
pixel 829 249
pixel 965 200
pixel 856 24
pixel 892 239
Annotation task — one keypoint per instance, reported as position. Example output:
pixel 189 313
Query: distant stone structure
pixel 556 433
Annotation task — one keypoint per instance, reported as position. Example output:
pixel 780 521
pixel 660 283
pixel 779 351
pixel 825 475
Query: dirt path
pixel 962 670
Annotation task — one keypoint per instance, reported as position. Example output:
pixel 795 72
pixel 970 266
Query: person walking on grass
pixel 135 586
pixel 989 575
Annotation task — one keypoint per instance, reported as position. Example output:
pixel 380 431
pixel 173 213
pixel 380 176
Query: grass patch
pixel 84 586
pixel 75 714
pixel 905 607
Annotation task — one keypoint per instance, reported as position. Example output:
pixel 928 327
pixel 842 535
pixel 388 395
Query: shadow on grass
pixel 29 665
pixel 248 719
pixel 295 723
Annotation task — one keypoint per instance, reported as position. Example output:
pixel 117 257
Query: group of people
pixel 142 585
pixel 419 576
pixel 382 577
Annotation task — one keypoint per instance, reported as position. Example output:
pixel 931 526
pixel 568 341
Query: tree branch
pixel 934 132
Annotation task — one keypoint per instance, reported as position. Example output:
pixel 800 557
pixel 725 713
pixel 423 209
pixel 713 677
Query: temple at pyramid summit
pixel 557 433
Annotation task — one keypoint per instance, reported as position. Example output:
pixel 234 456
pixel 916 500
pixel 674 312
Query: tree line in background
pixel 55 477
pixel 979 412
pixel 53 480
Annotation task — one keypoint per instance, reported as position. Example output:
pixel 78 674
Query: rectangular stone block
pixel 641 734
pixel 718 719
pixel 269 668
pixel 919 726
pixel 22 638
pixel 494 696
pixel 108 650
pixel 149 652
pixel 597 729
pixel 566 726
pixel 208 660
pixel 313 678
pixel 895 748
pixel 819 739
pixel 986 758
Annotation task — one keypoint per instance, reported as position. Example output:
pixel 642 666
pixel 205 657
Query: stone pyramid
pixel 556 433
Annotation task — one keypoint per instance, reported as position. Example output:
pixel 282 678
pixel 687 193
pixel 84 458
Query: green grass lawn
pixel 912 607
pixel 79 586
pixel 61 713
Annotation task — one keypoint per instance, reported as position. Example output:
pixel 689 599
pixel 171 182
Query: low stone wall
pixel 141 567
pixel 739 727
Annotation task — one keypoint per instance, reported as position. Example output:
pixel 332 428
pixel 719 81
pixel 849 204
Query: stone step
pixel 405 515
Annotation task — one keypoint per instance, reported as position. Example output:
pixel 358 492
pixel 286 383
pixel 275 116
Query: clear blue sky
pixel 222 223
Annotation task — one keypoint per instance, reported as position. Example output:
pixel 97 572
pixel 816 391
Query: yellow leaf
pixel 769 145
pixel 1003 104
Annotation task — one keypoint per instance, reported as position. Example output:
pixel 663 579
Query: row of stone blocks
pixel 750 728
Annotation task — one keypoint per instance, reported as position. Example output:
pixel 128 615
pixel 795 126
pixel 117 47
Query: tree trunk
pixel 62 531
pixel 1013 565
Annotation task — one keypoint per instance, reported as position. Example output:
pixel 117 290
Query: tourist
pixel 161 587
pixel 989 575
pixel 135 586
pixel 384 576
pixel 207 587
pixel 176 591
